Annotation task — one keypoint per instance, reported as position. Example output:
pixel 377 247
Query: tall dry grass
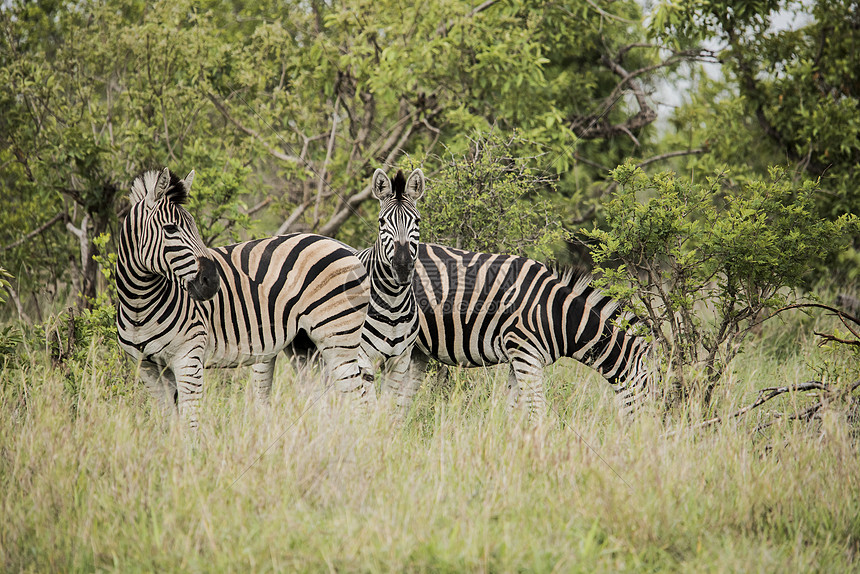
pixel 92 477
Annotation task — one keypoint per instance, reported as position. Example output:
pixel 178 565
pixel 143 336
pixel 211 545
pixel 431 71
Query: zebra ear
pixel 157 193
pixel 380 185
pixel 186 183
pixel 415 185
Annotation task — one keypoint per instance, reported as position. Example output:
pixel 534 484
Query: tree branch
pixel 274 152
pixel 259 206
pixel 41 229
pixel 13 294
pixel 83 239
pixel 595 127
pixel 836 339
pixel 294 216
pixel 767 394
pixel 671 154
pixel 837 312
pixel 443 29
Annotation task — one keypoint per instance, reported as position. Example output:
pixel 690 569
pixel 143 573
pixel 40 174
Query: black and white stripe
pixel 480 309
pixel 183 306
pixel 391 325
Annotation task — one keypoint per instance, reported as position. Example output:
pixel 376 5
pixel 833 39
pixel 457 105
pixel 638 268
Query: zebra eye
pixel 170 228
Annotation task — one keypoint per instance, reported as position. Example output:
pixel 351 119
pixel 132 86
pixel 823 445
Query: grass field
pixel 92 477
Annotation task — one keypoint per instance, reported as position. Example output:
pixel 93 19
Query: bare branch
pixel 41 229
pixel 259 206
pixel 594 127
pixel 443 29
pixel 83 238
pixel 274 152
pixel 321 180
pixel 593 164
pixel 836 339
pixel 13 294
pixel 350 206
pixel 767 394
pixel 294 216
pixel 837 312
pixel 671 154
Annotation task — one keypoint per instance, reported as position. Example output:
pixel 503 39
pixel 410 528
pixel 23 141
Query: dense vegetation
pixel 544 130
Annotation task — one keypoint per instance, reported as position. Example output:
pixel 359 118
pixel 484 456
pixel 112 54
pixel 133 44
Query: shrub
pixel 492 200
pixel 703 264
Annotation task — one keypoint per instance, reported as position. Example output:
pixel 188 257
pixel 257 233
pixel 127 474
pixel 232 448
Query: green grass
pixel 92 477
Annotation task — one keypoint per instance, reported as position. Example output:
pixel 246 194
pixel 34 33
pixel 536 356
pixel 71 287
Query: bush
pixel 703 264
pixel 491 200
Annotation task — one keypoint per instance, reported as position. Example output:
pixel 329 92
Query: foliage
pixel 98 93
pixel 703 264
pixel 492 200
pixel 789 91
pixel 284 110
pixel 97 323
pixel 10 338
pixel 4 283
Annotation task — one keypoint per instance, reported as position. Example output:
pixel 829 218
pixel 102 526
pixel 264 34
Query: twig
pixel 259 206
pixel 836 339
pixel 275 153
pixel 671 154
pixel 443 29
pixel 41 229
pixel 803 415
pixel 838 312
pixel 294 216
pixel 764 396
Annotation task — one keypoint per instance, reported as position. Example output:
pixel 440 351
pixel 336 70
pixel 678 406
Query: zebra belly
pixel 464 343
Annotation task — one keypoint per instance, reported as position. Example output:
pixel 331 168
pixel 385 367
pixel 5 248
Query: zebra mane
pixel 399 185
pixel 176 191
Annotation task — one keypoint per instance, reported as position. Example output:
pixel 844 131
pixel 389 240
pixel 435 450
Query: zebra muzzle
pixel 402 263
pixel 207 281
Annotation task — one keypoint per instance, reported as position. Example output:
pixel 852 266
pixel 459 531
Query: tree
pixel 790 93
pixel 94 101
pixel 702 265
pixel 492 199
pixel 285 109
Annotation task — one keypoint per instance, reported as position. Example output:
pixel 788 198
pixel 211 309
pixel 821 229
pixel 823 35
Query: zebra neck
pixel 143 297
pixel 385 291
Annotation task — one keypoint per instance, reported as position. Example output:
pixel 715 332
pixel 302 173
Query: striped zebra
pixel 183 307
pixel 391 325
pixel 480 309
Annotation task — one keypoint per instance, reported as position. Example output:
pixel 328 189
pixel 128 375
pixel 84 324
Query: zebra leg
pixel 528 371
pixel 417 368
pixel 351 375
pixel 261 378
pixel 160 383
pixel 400 383
pixel 189 384
pixel 513 392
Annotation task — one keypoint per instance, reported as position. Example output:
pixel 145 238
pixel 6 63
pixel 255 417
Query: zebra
pixel 183 307
pixel 391 325
pixel 481 309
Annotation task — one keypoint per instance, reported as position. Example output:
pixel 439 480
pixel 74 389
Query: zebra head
pixel 161 238
pixel 398 221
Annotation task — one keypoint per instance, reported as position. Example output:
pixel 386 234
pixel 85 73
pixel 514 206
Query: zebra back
pixel 480 309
